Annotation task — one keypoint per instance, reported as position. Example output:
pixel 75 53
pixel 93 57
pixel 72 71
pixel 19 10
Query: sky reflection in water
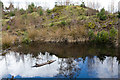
pixel 19 65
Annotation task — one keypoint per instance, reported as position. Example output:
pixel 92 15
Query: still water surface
pixel 72 61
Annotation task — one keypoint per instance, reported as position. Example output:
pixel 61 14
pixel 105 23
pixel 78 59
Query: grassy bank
pixel 60 24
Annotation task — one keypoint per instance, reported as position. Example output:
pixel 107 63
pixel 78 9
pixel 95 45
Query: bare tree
pixel 59 2
pixel 18 6
pixel 119 6
pixel 97 6
pixel 94 5
pixel 0 26
pixel 111 7
pixel 67 2
pixel 81 1
pixel 91 4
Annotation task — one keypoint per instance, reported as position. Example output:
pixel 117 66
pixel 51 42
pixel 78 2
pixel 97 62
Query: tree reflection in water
pixel 15 63
pixel 72 61
pixel 68 68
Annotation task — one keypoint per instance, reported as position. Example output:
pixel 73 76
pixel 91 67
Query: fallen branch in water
pixel 48 62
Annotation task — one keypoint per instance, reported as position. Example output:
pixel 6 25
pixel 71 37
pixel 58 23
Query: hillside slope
pixel 61 24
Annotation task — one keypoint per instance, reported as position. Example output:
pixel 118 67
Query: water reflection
pixel 19 65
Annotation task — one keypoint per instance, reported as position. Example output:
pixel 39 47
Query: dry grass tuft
pixel 32 33
pixel 8 40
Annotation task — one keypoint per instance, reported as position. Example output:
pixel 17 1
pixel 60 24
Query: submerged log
pixel 48 62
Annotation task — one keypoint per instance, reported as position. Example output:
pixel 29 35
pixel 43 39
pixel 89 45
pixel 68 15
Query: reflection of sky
pixel 17 67
pixel 20 66
pixel 93 68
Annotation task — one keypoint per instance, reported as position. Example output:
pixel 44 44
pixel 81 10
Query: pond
pixel 71 61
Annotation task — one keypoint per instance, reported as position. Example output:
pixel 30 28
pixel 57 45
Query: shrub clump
pixel 8 40
pixel 82 5
pixel 26 40
pixel 12 13
pixel 91 34
pixel 31 8
pixel 102 36
pixel 8 27
pixel 22 11
pixel 113 33
pixel 52 24
pixel 40 12
pixel 63 23
pixel 32 33
pixel 118 15
pixel 102 15
pixel 48 11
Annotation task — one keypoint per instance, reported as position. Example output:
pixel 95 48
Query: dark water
pixel 72 61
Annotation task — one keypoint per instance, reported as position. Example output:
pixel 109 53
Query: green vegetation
pixel 91 34
pixel 60 24
pixel 48 11
pixel 26 40
pixel 103 36
pixel 113 33
pixel 118 15
pixel 102 15
pixel 63 23
pixel 52 24
pixel 7 40
pixel 31 8
pixel 22 11
pixel 40 12
pixel 8 27
pixel 83 4
pixel 12 13
pixel 91 25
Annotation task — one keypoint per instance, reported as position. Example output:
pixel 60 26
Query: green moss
pixel 4 21
pixel 60 23
pixel 58 9
pixel 91 25
pixel 34 14
pixel 56 23
pixel 8 27
pixel 26 40
pixel 52 24
pixel 110 23
pixel 63 17
pixel 104 26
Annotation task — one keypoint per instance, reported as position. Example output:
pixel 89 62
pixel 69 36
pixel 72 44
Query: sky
pixel 50 3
